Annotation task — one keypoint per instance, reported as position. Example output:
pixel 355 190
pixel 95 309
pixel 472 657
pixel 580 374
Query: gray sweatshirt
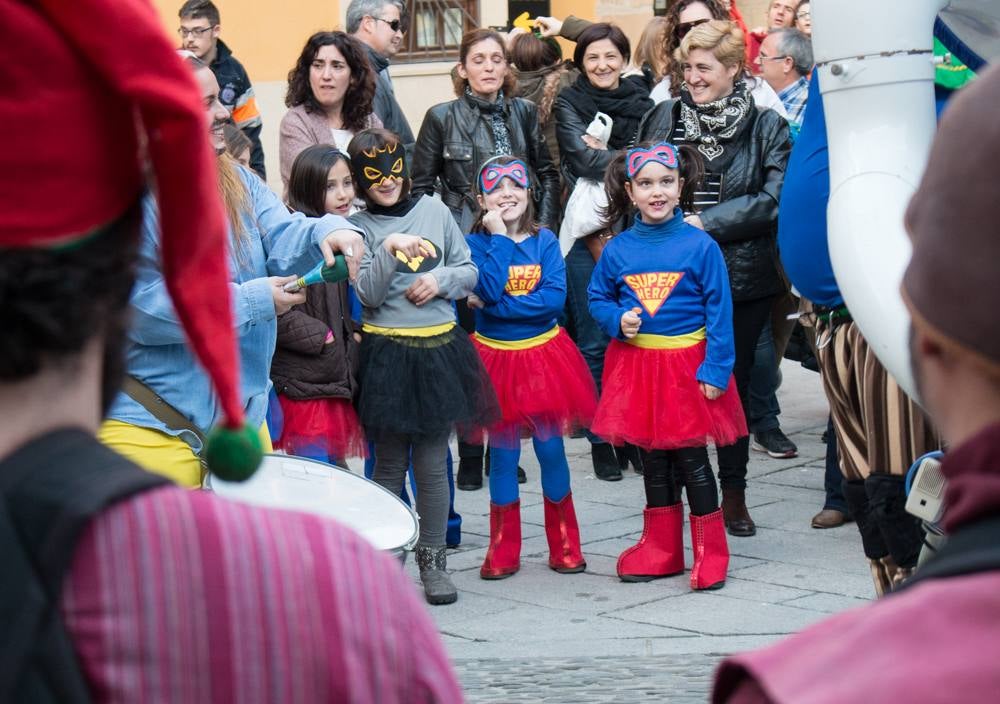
pixel 383 278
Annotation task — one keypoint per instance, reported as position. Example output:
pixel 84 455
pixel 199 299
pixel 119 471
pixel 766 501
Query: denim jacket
pixel 275 243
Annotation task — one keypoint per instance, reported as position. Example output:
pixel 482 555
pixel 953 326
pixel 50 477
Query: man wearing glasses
pixel 199 32
pixel 785 61
pixel 378 24
pixel 780 13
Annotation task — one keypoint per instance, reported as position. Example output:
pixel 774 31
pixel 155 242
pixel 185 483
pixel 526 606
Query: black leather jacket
pixel 745 222
pixel 456 138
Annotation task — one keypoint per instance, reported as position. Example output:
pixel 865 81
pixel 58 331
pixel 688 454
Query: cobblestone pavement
pixel 542 636
pixel 633 679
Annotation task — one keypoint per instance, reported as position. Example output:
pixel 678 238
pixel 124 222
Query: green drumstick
pixel 321 273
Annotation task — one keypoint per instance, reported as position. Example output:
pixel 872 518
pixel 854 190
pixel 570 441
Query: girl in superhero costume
pixel 542 382
pixel 661 291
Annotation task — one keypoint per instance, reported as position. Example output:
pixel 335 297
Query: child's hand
pixel 695 221
pixel 422 290
pixel 710 392
pixel 493 222
pixel 409 245
pixel 474 301
pixel 631 322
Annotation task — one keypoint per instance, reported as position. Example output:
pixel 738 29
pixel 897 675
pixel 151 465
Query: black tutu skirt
pixel 424 386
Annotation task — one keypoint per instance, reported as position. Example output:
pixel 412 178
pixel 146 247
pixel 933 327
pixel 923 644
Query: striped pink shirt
pixel 179 596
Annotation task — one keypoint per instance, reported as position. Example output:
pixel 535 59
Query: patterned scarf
pixel 501 137
pixel 709 126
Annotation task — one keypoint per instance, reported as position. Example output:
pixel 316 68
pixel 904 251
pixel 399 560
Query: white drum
pixel 300 484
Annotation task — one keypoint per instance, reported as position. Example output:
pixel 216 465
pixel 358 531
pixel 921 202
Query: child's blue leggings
pixel 551 458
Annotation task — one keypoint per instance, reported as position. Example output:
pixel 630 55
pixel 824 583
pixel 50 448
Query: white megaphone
pixel 876 69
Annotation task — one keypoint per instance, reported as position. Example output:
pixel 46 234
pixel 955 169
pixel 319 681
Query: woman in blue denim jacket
pixel 269 246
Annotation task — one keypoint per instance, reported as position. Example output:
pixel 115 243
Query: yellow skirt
pixel 160 453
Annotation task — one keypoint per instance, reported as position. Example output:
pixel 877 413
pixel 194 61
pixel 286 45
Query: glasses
pixel 193 32
pixel 684 27
pixel 804 15
pixel 394 25
pixel 761 56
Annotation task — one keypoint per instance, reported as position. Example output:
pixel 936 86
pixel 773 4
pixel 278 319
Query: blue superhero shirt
pixel 523 285
pixel 676 275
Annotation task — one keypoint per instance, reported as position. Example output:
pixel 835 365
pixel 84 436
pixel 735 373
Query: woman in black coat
pixel 482 122
pixel 745 150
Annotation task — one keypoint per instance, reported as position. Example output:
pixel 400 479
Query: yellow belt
pixel 429 331
pixel 668 342
pixel 525 344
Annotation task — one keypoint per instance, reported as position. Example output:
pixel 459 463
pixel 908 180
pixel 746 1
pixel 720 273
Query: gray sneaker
pixel 438 587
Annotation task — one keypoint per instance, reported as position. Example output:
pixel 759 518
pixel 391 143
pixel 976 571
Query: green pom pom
pixel 233 455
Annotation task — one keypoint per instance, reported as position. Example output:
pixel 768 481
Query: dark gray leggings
pixel 393 454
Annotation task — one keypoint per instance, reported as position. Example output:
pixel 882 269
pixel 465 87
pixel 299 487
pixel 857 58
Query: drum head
pixel 299 484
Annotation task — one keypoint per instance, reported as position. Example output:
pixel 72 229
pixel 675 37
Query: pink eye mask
pixel 662 153
pixel 491 176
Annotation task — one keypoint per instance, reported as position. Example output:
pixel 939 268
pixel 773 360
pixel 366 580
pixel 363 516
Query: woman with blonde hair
pixel 745 149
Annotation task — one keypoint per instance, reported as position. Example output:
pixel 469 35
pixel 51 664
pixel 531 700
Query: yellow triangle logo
pixel 653 288
pixel 522 279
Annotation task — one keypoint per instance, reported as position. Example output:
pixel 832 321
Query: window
pixel 436 28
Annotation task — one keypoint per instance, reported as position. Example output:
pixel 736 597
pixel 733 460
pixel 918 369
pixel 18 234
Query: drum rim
pixel 407 546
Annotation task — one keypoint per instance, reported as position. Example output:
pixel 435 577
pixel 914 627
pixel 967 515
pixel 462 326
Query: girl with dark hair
pixel 602 52
pixel 661 292
pixel 315 363
pixel 330 94
pixel 542 383
pixel 420 376
pixel 746 149
pixel 456 137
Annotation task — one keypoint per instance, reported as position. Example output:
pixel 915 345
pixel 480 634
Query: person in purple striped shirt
pixel 118 586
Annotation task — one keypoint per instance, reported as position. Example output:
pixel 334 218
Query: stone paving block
pixel 799 476
pixel 794 516
pixel 828 603
pixel 701 612
pixel 813 549
pixel 536 585
pixel 816 579
pixel 525 623
pixel 761 592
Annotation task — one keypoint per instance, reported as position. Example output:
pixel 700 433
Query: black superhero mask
pixel 375 166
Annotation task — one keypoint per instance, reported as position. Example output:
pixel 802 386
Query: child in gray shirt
pixel 420 375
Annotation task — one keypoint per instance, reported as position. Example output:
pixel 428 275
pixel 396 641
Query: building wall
pixel 267 36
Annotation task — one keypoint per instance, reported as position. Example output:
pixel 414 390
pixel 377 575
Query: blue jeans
pixel 584 330
pixel 833 478
pixel 764 382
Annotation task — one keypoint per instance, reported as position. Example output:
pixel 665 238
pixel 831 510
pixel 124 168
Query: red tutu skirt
pixel 328 424
pixel 544 391
pixel 651 398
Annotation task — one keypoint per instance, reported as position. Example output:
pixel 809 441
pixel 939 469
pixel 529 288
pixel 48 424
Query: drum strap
pixel 162 411
pixel 50 489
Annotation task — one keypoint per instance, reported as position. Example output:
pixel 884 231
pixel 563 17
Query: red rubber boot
pixel 563 535
pixel 711 552
pixel 660 550
pixel 503 558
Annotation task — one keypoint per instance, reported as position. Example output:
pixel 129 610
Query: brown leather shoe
pixel 829 518
pixel 735 513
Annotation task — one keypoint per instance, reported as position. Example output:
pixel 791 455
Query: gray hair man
pixel 379 25
pixel 785 61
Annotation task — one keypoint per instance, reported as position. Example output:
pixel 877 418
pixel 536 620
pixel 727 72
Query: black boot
pixel 605 463
pixel 470 474
pixel 626 454
pixel 433 565
pixel 521 476
pixel 470 467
